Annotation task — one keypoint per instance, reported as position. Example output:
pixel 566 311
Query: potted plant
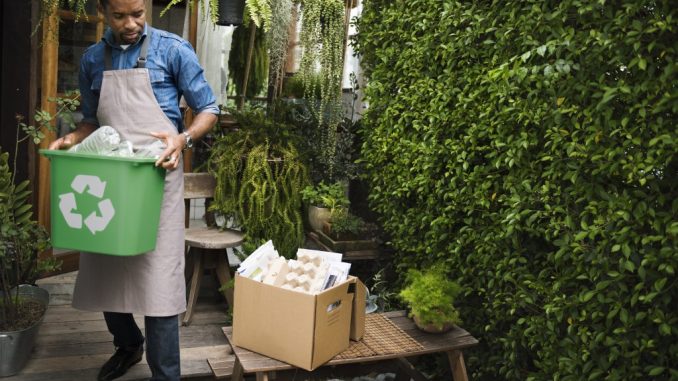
pixel 323 200
pixel 22 239
pixel 347 232
pixel 259 177
pixel 430 295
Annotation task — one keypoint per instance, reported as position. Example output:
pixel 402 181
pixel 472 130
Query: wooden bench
pixel 451 343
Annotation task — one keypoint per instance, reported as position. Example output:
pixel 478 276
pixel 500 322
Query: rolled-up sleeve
pixel 191 80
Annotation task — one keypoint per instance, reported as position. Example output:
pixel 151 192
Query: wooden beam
pixel 456 359
pixel 248 64
pixel 149 11
pixel 48 89
pixel 193 24
pixel 193 40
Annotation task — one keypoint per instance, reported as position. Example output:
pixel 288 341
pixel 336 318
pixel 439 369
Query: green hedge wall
pixel 531 146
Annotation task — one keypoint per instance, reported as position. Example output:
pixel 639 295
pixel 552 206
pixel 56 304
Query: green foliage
pixel 295 87
pixel 66 105
pixel 341 165
pixel 259 180
pixel 531 146
pixel 322 43
pixel 238 58
pixel 260 13
pixel 21 240
pixel 430 296
pixel 79 7
pixel 211 5
pixel 324 195
pixel 384 291
pixel 346 222
pixel 277 37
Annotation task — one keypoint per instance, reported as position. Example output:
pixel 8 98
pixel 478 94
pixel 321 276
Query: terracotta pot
pixel 430 328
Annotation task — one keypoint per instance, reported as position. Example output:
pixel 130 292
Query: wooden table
pixel 451 343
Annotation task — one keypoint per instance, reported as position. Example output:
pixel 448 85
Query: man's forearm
pixel 201 125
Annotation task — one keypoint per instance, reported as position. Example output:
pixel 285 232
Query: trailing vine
pixel 322 41
pixel 259 184
pixel 277 37
pixel 238 57
pixel 260 12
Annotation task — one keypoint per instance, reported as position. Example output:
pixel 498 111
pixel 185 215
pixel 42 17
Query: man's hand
pixel 63 142
pixel 69 140
pixel 169 158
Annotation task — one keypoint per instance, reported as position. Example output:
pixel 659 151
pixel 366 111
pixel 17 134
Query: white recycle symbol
pixel 96 188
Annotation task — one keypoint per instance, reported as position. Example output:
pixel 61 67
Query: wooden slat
pixel 198 185
pixel 73 344
pixel 222 368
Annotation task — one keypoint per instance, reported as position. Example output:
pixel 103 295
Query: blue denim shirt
pixel 173 68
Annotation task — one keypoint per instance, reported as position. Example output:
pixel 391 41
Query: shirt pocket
pixel 157 76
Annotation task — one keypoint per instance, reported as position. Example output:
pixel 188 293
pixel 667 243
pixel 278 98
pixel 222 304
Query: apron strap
pixel 141 61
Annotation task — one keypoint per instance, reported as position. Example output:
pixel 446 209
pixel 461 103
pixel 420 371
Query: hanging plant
pixel 259 178
pixel 238 58
pixel 322 42
pixel 277 37
pixel 260 12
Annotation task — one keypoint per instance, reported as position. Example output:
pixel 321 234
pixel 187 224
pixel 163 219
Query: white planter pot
pixel 317 216
pixel 16 346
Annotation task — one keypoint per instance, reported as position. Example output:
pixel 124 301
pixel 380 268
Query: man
pixel 132 80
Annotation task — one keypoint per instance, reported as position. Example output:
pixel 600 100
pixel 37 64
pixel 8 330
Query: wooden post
pixel 456 359
pixel 192 39
pixel 149 11
pixel 48 89
pixel 248 63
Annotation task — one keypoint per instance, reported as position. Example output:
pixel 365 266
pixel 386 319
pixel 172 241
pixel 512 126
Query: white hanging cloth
pixel 213 46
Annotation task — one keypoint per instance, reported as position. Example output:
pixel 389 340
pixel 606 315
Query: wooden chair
pixel 206 245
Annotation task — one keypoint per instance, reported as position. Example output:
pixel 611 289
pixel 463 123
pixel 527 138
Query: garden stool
pixel 206 245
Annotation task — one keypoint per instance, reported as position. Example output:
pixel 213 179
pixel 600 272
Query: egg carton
pixel 304 277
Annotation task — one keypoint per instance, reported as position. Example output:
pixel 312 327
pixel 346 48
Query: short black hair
pixel 104 3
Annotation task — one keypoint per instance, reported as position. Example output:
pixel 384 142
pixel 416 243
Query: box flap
pixel 332 323
pixel 358 313
pixel 274 321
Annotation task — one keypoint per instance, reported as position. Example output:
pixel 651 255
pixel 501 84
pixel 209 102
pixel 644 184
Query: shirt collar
pixel 110 40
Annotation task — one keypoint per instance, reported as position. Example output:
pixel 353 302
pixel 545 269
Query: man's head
pixel 125 17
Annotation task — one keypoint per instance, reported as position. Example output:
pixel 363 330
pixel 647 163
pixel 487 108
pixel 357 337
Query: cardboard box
pixel 303 330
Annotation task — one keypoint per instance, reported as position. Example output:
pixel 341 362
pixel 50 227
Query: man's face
pixel 126 19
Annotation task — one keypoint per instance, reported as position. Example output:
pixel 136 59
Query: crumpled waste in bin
pixel 106 141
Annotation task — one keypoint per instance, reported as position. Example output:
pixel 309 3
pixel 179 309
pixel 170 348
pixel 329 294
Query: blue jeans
pixel 162 341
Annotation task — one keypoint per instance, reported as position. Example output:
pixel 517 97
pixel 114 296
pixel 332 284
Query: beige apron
pixel 151 284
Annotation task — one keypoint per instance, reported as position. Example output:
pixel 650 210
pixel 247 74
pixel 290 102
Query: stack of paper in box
pixel 301 311
pixel 313 271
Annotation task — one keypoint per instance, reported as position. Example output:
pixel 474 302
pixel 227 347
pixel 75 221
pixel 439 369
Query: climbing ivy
pixel 530 146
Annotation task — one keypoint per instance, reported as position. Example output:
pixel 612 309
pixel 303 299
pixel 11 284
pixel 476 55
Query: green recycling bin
pixel 104 204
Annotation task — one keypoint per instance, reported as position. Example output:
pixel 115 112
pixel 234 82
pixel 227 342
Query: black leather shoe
pixel 118 364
